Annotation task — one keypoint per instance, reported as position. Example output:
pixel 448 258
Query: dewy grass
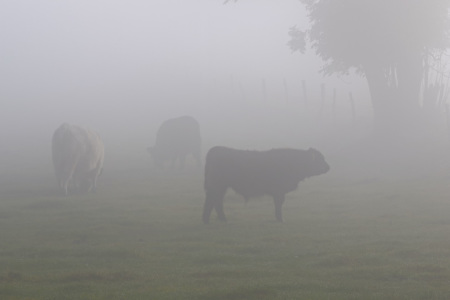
pixel 141 237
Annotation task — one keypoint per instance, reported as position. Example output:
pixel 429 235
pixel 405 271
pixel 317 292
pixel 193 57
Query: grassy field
pixel 141 237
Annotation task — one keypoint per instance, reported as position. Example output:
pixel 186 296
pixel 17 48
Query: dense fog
pixel 122 68
pixel 350 200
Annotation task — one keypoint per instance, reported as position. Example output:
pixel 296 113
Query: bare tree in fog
pixel 390 42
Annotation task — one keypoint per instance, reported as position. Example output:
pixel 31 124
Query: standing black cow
pixel 257 173
pixel 175 139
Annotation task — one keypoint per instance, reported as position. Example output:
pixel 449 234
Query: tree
pixel 390 42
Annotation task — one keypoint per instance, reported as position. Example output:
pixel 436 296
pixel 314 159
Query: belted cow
pixel 78 156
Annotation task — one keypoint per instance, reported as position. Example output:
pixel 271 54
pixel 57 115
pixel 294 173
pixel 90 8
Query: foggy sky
pixel 125 66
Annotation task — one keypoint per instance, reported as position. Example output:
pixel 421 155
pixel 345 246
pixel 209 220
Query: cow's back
pixel 256 173
pixel 242 170
pixel 179 133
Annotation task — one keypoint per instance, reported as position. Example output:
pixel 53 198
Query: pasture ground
pixel 140 236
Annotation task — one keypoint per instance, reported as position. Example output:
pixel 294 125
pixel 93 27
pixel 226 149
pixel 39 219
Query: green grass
pixel 141 237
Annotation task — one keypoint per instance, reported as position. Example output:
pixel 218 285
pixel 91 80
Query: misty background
pixel 122 68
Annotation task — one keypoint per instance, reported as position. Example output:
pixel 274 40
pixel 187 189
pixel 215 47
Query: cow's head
pixel 318 164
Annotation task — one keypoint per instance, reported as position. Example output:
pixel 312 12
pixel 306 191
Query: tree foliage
pixel 355 33
pixel 390 42
pixel 297 41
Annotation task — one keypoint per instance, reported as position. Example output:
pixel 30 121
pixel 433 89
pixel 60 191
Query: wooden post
pixel 447 119
pixel 264 90
pixel 241 90
pixel 286 94
pixel 322 97
pixel 333 106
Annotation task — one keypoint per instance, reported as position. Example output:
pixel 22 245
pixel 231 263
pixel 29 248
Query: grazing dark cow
pixel 257 173
pixel 77 155
pixel 175 139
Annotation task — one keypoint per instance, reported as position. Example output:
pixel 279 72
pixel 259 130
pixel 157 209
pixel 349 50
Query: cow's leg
pixel 98 173
pixel 76 183
pixel 60 182
pixel 207 207
pixel 90 183
pixel 68 172
pixel 92 179
pixel 66 180
pixel 278 200
pixel 213 199
pixel 94 184
pixel 219 210
pixel 65 187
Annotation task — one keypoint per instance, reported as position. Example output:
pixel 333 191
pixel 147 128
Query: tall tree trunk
pixel 410 71
pixel 396 99
pixel 382 99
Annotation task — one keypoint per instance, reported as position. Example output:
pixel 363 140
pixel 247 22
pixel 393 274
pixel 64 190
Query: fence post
pixel 305 94
pixel 352 104
pixel 286 94
pixel 264 90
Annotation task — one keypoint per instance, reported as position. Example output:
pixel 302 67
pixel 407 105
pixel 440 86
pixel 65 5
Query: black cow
pixel 257 173
pixel 175 139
